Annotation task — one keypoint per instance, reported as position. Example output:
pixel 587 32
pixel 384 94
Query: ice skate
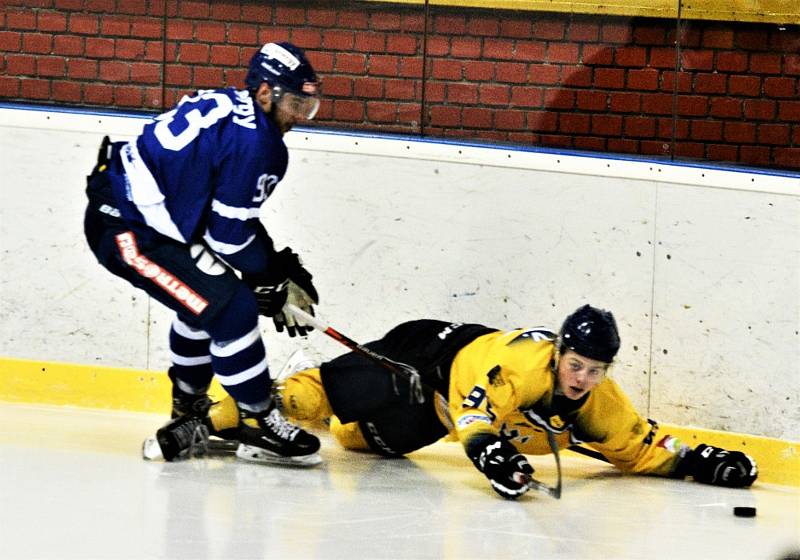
pixel 267 437
pixel 183 437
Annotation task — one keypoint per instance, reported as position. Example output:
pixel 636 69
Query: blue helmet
pixel 285 66
pixel 592 333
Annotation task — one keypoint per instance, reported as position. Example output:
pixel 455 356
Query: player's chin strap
pixel 405 371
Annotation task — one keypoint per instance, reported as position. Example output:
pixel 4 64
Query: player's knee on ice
pixel 348 435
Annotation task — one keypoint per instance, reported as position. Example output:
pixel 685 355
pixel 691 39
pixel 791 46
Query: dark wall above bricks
pixel 727 92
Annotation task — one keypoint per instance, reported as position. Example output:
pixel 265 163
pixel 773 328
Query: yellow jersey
pixel 504 382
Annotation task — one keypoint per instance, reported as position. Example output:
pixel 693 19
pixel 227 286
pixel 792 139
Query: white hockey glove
pixel 300 291
pixel 298 296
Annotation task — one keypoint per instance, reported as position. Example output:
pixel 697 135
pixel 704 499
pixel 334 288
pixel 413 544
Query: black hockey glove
pixel 714 465
pixel 270 293
pixel 285 281
pixel 505 467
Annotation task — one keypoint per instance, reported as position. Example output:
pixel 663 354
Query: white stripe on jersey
pixel 235 212
pixel 146 195
pixel 243 376
pixel 225 248
pixel 227 349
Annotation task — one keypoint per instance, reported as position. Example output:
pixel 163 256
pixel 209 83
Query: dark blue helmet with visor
pixel 289 74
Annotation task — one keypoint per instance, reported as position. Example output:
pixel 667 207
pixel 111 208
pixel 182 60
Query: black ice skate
pixel 181 438
pixel 267 437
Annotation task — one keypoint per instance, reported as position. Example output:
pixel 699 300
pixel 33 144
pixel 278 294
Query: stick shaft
pixel 588 453
pixel 346 341
pixel 306 317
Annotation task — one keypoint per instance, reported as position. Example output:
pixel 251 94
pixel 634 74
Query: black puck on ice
pixel 742 511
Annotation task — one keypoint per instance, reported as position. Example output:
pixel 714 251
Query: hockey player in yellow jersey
pixel 497 392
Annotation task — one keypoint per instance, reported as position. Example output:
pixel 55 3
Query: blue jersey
pixel 202 170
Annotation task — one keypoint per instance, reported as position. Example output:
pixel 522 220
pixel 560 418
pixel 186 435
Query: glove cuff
pixel 685 463
pixel 476 446
pixel 277 272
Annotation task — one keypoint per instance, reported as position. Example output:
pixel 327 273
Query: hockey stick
pixel 589 453
pixel 403 370
pixel 552 491
pixel 412 375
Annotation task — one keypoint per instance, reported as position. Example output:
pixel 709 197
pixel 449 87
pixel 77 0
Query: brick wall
pixel 585 82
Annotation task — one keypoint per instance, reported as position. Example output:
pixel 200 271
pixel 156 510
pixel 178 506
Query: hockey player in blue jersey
pixel 175 212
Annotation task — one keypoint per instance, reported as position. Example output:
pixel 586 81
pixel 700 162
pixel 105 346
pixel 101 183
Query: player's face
pixel 289 109
pixel 292 108
pixel 578 375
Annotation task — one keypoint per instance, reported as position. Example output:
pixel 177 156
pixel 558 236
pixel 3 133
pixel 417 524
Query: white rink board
pixel 701 263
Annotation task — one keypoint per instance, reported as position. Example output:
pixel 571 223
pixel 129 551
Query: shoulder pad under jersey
pixel 535 334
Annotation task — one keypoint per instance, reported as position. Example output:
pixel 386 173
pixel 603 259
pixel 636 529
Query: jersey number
pixel 191 122
pixel 476 398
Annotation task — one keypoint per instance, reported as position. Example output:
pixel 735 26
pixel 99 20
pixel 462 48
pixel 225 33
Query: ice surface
pixel 74 485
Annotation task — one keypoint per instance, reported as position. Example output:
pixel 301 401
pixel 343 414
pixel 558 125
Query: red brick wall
pixel 584 82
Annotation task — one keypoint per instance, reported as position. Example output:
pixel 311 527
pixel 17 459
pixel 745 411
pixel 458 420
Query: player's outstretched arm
pixel 506 468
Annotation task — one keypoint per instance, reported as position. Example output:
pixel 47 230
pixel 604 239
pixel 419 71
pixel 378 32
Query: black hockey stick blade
pixel 553 492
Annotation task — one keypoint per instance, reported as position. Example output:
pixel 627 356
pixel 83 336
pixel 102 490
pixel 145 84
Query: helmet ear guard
pixel 590 332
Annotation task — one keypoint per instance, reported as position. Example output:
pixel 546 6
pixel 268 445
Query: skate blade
pixel 262 456
pixel 151 451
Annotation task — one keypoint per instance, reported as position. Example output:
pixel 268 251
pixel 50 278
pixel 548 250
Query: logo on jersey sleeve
pixel 467 419
pixel 449 329
pixel 264 186
pixel 670 443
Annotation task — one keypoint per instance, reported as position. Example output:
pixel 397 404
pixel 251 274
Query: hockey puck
pixel 742 511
